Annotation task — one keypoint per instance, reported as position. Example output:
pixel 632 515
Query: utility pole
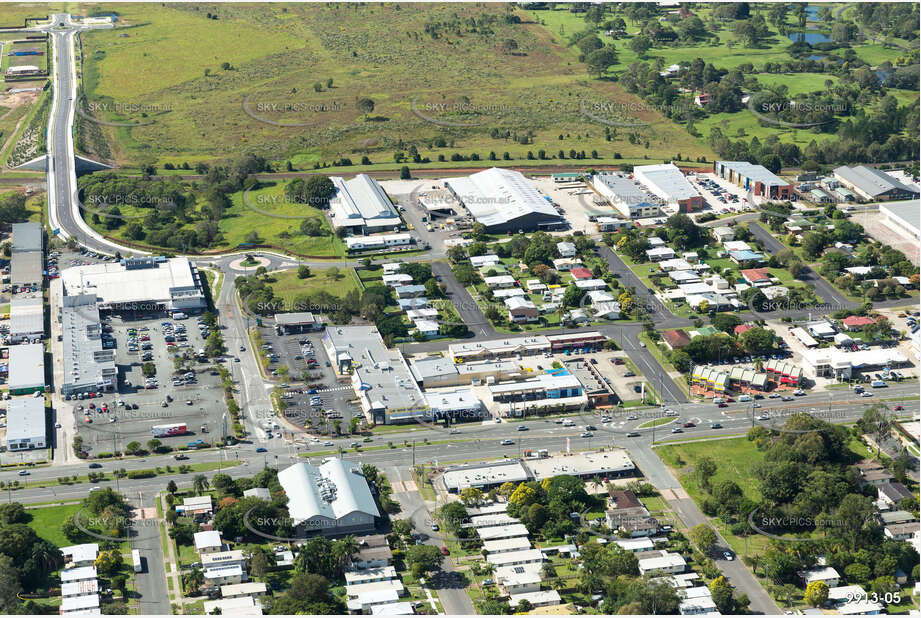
pixel 414 453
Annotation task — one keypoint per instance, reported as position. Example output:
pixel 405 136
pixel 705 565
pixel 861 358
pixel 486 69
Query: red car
pixel 445 551
pixel 722 405
pixel 689 424
pixel 898 407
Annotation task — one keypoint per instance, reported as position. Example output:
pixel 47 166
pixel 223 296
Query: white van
pixel 745 398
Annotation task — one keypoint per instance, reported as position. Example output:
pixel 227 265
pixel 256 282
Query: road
pixel 63 204
pixel 153 597
pixel 833 299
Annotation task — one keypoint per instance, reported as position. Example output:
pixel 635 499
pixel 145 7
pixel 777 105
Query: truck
pixel 136 559
pixel 196 444
pixel 174 429
pixel 179 316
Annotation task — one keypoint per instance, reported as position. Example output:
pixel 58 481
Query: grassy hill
pixel 272 95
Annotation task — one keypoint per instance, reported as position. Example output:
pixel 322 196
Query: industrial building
pixel 140 284
pixel 669 184
pixel 381 379
pixel 27 257
pixel 333 498
pixel 504 201
pixel 903 217
pixel 629 198
pixel 381 241
pixel 872 184
pixel 27 318
pixel 25 424
pixel 87 366
pixel 362 207
pixel 755 178
pixel 27 368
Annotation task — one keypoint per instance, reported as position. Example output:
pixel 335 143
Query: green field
pixel 734 459
pixel 288 287
pixel 47 520
pixel 196 102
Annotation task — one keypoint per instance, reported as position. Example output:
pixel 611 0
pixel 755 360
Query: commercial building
pixel 484 476
pixel 505 201
pixel 833 362
pixel 301 322
pixel 872 184
pixel 27 368
pixel 87 366
pixel 27 257
pixel 361 206
pixel 380 241
pixel 598 392
pixel 669 184
pixel 903 217
pixel 25 424
pixel 755 178
pixel 27 318
pixel 460 405
pixel 628 197
pixel 584 465
pixel 545 390
pixel 386 389
pixel 138 284
pixel 333 498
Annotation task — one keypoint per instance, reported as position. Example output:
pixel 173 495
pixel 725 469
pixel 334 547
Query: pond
pixel 809 37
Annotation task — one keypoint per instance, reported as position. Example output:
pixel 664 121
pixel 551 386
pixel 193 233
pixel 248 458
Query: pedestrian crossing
pixel 335 389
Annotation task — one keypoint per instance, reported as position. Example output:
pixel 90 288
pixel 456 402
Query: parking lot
pixel 308 402
pixel 177 387
pixel 720 196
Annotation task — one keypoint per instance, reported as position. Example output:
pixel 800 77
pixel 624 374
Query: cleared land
pixel 196 103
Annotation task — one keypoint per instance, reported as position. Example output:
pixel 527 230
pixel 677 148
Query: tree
pixel 153 444
pixel 816 593
pixel 303 272
pixel 640 44
pixel 471 496
pixel 705 468
pixel 171 487
pixel 9 587
pixel 193 581
pixel 107 562
pixel 13 513
pixel 726 322
pixel 599 60
pixel 333 273
pixel 258 564
pixel 424 557
pixel 200 484
pixel 365 106
pixel 404 173
pixel 757 340
pixel 704 537
pixel 721 593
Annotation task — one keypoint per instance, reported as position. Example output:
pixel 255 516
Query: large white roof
pixel 666 181
pixel 332 490
pixel 496 196
pixel 135 281
pixel 361 200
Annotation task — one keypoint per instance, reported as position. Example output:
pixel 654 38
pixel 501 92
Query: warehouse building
pixel 27 257
pixel 629 198
pixel 903 217
pixel 869 183
pixel 386 389
pixel 87 367
pixel 504 201
pixel 25 424
pixel 669 184
pixel 27 318
pixel 27 368
pixel 755 178
pixel 361 206
pixel 332 499
pixel 139 284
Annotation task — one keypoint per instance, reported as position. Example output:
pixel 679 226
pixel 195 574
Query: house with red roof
pixel 675 339
pixel 856 322
pixel 741 328
pixel 581 272
pixel 756 276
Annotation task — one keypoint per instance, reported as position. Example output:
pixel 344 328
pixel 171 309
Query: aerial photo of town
pixel 459 308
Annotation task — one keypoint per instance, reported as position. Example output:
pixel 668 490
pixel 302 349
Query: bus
pixel 136 559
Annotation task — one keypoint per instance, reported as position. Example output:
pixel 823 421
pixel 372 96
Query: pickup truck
pixel 195 444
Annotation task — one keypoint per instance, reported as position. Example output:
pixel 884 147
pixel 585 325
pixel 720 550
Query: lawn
pixel 47 520
pixel 277 222
pixel 289 287
pixel 220 86
pixel 734 459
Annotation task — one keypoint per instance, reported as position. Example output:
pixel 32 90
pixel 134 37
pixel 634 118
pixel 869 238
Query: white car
pixel 764 417
pixel 866 394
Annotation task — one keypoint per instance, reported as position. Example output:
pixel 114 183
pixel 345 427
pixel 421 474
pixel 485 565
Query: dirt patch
pixel 12 100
